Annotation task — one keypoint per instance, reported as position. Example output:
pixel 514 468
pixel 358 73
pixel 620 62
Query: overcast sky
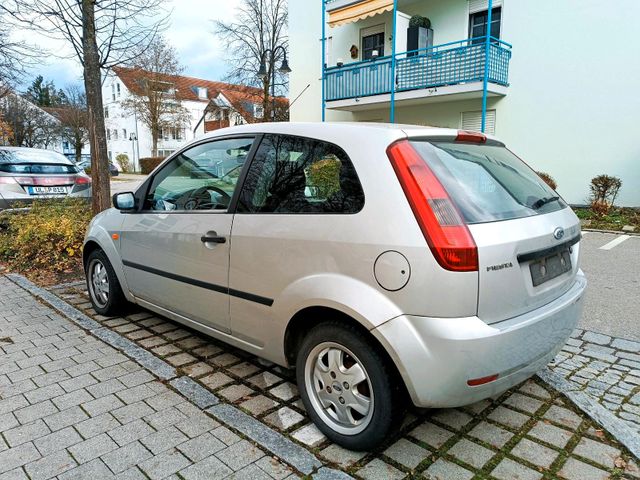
pixel 190 32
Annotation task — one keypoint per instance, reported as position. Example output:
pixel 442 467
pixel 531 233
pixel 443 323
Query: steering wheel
pixel 200 198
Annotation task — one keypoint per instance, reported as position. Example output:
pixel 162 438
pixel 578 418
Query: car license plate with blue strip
pixel 48 190
pixel 550 267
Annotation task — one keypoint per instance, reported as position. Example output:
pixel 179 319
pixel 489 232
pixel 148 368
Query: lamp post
pixel 263 73
pixel 133 138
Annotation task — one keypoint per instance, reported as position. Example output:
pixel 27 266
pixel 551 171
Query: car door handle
pixel 211 237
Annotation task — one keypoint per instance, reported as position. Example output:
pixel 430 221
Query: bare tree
pixel 260 26
pixel 30 126
pixel 102 34
pixel 15 57
pixel 74 126
pixel 154 99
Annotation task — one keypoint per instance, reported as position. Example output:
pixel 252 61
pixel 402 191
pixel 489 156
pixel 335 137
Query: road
pixel 126 182
pixel 613 295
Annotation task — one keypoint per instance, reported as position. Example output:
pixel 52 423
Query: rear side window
pixel 300 175
pixel 488 182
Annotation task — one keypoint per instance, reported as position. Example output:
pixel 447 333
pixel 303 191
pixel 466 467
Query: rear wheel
pixel 348 387
pixel 104 289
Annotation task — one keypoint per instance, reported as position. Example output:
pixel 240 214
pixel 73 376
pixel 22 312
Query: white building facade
pixel 562 77
pixel 226 105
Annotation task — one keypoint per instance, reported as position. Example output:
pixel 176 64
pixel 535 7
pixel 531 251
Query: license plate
pixel 550 267
pixel 48 190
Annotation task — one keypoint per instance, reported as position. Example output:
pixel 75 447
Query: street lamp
pixel 263 73
pixel 133 138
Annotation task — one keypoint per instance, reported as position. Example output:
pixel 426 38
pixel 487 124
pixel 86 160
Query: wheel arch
pixel 307 318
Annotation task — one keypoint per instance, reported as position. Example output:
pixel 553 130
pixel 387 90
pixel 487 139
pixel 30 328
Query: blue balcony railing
pixel 453 63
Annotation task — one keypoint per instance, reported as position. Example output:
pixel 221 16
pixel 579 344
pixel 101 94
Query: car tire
pixel 339 372
pixel 104 288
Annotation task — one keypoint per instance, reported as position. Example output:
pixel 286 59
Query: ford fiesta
pixel 386 263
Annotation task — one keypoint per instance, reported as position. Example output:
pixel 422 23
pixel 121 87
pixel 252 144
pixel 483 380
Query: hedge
pixel 149 163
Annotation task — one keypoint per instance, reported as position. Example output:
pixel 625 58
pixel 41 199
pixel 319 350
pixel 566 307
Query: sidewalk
pixel 71 403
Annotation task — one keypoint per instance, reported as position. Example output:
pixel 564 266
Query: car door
pixel 292 223
pixel 175 249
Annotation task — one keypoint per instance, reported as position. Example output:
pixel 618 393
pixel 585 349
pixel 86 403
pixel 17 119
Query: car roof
pixel 311 128
pixel 38 155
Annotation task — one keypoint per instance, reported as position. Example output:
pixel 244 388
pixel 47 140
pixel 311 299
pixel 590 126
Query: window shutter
pixel 482 5
pixel 473 121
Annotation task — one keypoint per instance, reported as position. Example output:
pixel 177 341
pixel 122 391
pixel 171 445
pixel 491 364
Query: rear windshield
pixel 37 168
pixel 488 182
pixel 35 161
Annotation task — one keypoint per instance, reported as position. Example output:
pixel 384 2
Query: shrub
pixel 548 179
pixel 604 190
pixel 149 163
pixel 419 21
pixel 324 175
pixel 123 160
pixel 48 237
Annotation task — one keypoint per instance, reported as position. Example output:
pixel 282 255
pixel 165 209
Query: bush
pixel 149 163
pixel 324 175
pixel 48 237
pixel 548 179
pixel 123 160
pixel 604 190
pixel 419 21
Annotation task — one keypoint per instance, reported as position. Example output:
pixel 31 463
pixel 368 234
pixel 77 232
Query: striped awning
pixel 359 11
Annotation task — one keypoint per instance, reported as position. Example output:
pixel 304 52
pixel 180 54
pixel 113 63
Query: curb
pixel 585 402
pixel 266 438
pixel 615 232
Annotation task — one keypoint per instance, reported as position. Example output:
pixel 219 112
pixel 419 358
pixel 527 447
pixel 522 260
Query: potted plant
pixel 419 34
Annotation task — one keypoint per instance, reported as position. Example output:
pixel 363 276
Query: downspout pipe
pixel 485 80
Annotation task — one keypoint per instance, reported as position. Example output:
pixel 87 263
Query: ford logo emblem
pixel 558 233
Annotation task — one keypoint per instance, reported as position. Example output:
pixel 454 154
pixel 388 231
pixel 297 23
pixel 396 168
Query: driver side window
pixel 203 177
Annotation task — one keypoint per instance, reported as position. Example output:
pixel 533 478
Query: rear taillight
pixel 474 137
pixel 446 233
pixel 83 180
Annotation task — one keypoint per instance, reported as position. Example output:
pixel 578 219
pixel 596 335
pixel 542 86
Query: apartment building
pixel 556 81
pixel 225 105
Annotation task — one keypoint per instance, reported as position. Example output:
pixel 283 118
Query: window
pixel 108 134
pixel 124 133
pixel 113 92
pixel 258 110
pixel 106 112
pixel 487 182
pixel 478 24
pixel 300 175
pixel 472 121
pixel 118 89
pixel 165 153
pixel 203 177
pixel 372 40
pixel 109 155
pixel 115 133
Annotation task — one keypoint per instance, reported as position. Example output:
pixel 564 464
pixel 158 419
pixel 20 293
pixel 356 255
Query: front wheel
pixel 348 387
pixel 105 292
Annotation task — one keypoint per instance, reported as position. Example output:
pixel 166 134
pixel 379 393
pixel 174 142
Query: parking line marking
pixel 615 242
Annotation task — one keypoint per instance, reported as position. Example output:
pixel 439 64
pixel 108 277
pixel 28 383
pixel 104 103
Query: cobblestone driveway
pixel 72 405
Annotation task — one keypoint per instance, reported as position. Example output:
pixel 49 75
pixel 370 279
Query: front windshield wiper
pixel 543 201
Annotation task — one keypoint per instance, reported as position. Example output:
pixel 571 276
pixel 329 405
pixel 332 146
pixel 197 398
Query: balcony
pixel 433 74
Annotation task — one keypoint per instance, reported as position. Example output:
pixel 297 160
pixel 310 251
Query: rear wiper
pixel 543 201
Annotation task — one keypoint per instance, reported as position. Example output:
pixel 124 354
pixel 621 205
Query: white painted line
pixel 615 242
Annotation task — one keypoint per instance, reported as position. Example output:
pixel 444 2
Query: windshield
pixel 26 161
pixel 488 182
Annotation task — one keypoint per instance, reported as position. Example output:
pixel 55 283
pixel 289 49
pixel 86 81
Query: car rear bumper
pixel 438 356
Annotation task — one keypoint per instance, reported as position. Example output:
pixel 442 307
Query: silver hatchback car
pixel 385 263
pixel 27 174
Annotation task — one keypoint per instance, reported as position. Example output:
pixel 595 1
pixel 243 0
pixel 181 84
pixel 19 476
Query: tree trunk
pixel 78 147
pixel 266 102
pixel 93 87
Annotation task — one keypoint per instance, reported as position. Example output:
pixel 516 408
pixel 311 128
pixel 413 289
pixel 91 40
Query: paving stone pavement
pixel 606 368
pixel 253 414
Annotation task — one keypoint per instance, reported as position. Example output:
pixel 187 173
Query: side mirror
pixel 124 201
